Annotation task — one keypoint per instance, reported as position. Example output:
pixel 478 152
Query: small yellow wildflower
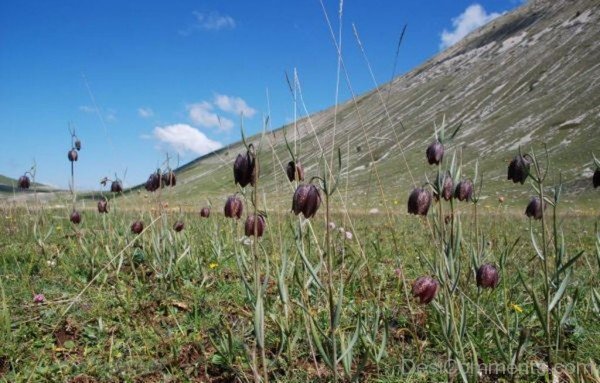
pixel 516 307
pixel 212 265
pixel 58 228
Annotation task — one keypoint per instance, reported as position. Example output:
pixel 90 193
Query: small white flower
pixel 349 235
pixel 51 263
pixel 332 225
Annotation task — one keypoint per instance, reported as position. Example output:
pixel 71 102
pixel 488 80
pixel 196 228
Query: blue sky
pixel 139 79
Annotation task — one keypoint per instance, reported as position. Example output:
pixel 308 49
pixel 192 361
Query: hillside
pixel 529 77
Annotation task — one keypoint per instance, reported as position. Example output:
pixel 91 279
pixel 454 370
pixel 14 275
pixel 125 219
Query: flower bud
pixel 295 171
pixel 169 179
pixel 233 207
pixel 307 200
pixel 419 201
pixel 178 226
pixel 596 179
pixel 534 208
pixel 116 187
pixel 137 227
pixel 77 144
pixel 244 169
pixel 435 152
pixel 464 190
pixel 487 276
pixel 75 217
pixel 72 155
pixel 24 182
pixel 205 212
pixel 103 206
pixel 253 225
pixel 424 288
pixel 518 169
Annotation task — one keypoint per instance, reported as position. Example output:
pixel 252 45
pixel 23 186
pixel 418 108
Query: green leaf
pixel 561 290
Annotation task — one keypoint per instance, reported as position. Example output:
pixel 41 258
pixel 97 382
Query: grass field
pixel 210 304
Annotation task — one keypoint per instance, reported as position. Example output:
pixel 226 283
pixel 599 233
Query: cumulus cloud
pixel 184 138
pixel 145 112
pixel 472 18
pixel 235 105
pixel 202 114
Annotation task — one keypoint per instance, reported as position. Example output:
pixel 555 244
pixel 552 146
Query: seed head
pixel 435 152
pixel 252 224
pixel 169 179
pixel 424 288
pixel 178 226
pixel 307 200
pixel 103 206
pixel 419 201
pixel 75 217
pixel 205 212
pixel 77 144
pixel 244 169
pixel 464 190
pixel 137 227
pixel 487 276
pixel 116 187
pixel 295 171
pixel 72 155
pixel 24 182
pixel 233 207
pixel 518 169
pixel 596 179
pixel 534 208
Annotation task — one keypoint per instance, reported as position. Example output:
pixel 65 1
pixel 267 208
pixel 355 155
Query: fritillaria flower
pixel 205 212
pixel 244 169
pixel 103 206
pixel 425 289
pixel 77 144
pixel 153 182
pixel 254 224
pixel 75 217
pixel 116 187
pixel 435 152
pixel 137 227
pixel 169 179
pixel 306 200
pixel 24 182
pixel 518 169
pixel 534 208
pixel 419 201
pixel 464 190
pixel 295 171
pixel 178 226
pixel 487 276
pixel 72 155
pixel 233 207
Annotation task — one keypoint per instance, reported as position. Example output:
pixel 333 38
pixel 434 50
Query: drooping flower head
pixel 425 289
pixel 306 200
pixel 419 201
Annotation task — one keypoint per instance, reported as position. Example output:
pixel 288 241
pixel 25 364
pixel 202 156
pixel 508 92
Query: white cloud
pixel 109 115
pixel 202 114
pixel 145 112
pixel 184 138
pixel 472 18
pixel 87 109
pixel 211 21
pixel 235 105
pixel 214 21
